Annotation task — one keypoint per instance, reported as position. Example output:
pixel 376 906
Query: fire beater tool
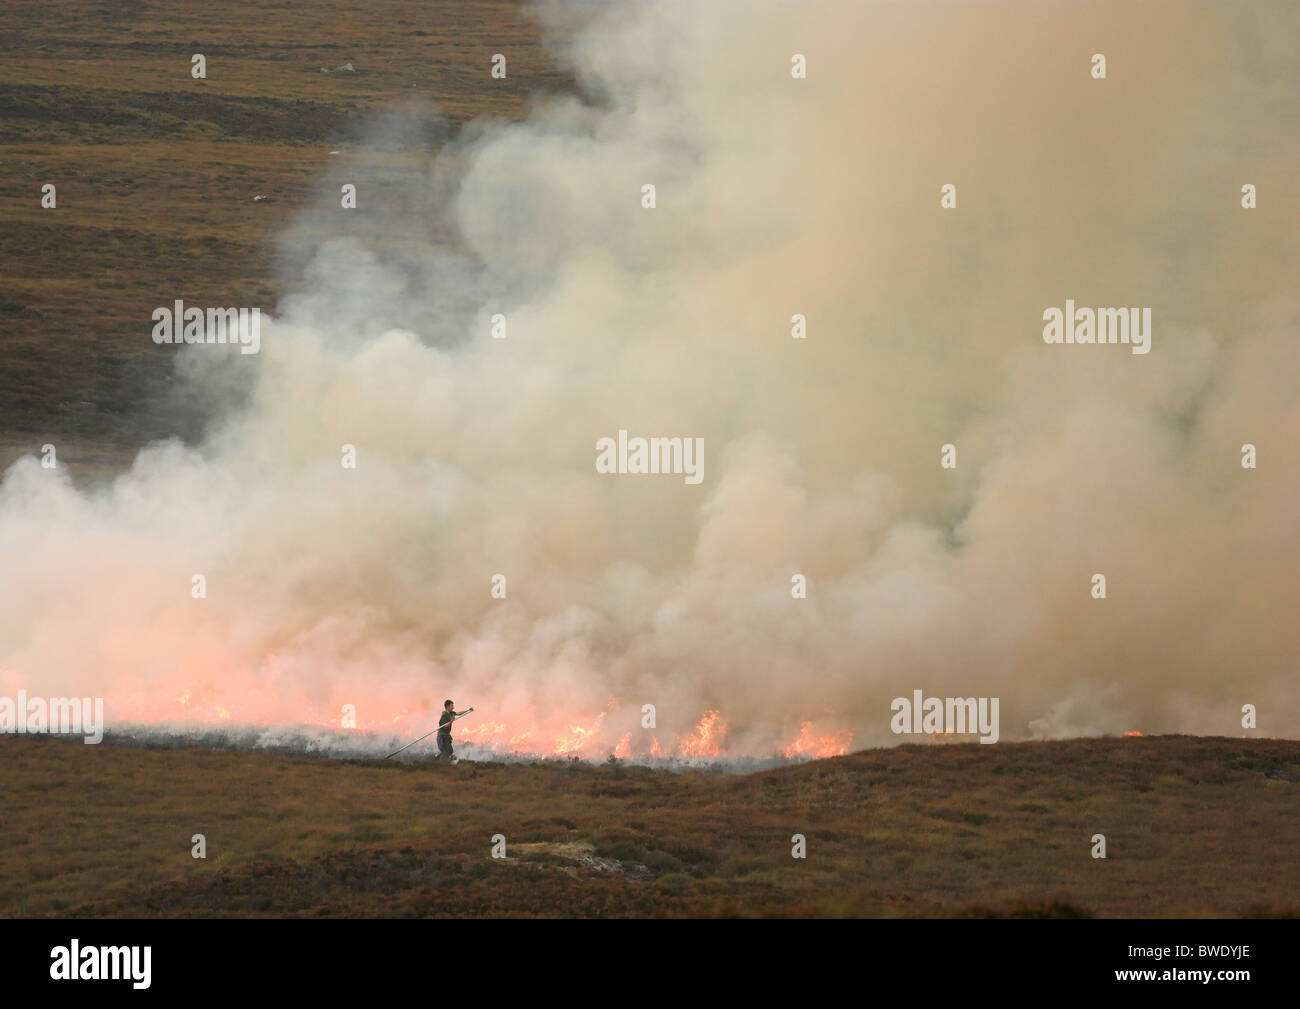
pixel 427 734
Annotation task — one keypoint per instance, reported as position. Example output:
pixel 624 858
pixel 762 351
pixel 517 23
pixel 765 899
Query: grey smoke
pixel 775 197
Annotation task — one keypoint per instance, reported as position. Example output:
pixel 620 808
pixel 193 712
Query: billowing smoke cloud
pixel 775 196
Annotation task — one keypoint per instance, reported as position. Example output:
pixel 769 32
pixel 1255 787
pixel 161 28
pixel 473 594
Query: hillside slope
pixel 1193 826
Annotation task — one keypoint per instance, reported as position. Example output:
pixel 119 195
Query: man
pixel 444 731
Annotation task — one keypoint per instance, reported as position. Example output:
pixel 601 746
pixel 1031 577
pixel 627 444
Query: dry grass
pixel 156 174
pixel 1194 826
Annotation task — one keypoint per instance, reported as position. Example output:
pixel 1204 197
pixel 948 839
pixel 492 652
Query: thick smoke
pixel 775 197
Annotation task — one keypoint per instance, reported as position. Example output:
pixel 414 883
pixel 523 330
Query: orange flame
pixel 810 744
pixel 579 738
pixel 707 741
pixel 216 691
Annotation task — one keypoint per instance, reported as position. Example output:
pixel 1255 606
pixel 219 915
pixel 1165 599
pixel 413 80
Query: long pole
pixel 426 735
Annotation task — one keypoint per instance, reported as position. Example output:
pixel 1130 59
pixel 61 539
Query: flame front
pixel 708 738
pixel 578 739
pixel 221 693
pixel 810 744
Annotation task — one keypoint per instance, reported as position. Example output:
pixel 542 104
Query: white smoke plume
pixel 775 196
